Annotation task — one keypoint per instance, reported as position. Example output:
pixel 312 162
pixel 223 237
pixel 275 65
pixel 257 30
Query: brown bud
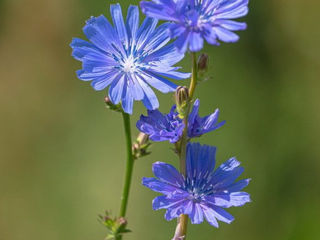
pixel 203 62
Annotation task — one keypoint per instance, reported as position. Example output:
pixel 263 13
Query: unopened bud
pixel 142 138
pixel 182 98
pixel 107 100
pixel 112 106
pixel 181 95
pixel 122 221
pixel 203 62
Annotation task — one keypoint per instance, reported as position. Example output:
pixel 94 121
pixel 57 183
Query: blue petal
pixel 162 202
pixel 210 35
pixel 118 22
pixel 81 50
pixel 238 199
pixel 150 100
pixel 200 160
pixel 225 35
pixel 210 216
pixel 167 56
pixel 163 11
pixel 116 89
pixel 127 99
pixel 104 81
pixel 159 82
pixel 145 31
pixel 133 21
pixel 167 173
pixel 88 76
pixel 176 210
pixel 226 174
pixel 232 9
pixel 135 88
pixel 196 42
pixel 158 39
pixel 169 74
pixel 182 42
pixel 227 167
pixel 100 32
pixel 196 215
pixel 231 25
pixel 238 186
pixel 159 186
pixel 222 215
pixel 194 112
pixel 226 200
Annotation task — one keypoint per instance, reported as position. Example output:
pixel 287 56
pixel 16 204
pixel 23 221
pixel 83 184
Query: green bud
pixel 111 106
pixel 182 98
pixel 115 226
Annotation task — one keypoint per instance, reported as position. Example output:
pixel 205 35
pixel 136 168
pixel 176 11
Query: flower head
pixel 169 127
pixel 161 127
pixel 127 57
pixel 201 125
pixel 203 192
pixel 196 20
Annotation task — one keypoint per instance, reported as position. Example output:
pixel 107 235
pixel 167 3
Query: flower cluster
pixel 130 59
pixel 169 127
pixel 203 192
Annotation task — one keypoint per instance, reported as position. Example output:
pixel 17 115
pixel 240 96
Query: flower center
pixel 129 65
pixel 196 18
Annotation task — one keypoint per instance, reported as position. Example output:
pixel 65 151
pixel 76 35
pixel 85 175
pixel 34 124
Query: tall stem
pixel 129 165
pixel 181 229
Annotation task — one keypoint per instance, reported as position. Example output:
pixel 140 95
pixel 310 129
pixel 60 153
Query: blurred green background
pixel 62 153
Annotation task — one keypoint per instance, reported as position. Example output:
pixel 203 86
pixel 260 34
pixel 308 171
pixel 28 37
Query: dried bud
pixel 182 98
pixel 140 147
pixel 203 62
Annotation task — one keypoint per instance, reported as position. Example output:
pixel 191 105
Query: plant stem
pixel 129 165
pixel 181 229
pixel 194 77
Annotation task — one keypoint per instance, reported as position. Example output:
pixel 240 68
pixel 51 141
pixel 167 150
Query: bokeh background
pixel 62 153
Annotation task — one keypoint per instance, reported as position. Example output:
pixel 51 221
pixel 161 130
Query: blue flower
pixel 161 127
pixel 128 57
pixel 169 127
pixel 204 192
pixel 196 20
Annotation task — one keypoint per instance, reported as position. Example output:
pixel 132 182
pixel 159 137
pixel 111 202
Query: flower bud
pixel 122 221
pixel 140 147
pixel 203 62
pixel 182 98
pixel 142 138
pixel 112 106
pixel 181 95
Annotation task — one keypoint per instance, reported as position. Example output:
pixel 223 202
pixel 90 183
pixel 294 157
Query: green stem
pixel 194 77
pixel 181 229
pixel 129 165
